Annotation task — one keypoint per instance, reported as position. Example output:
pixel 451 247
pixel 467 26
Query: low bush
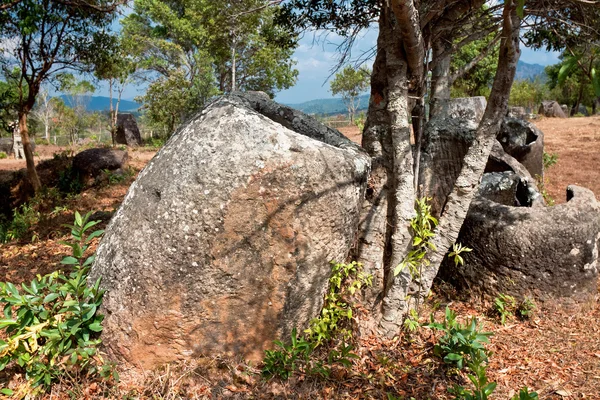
pixel 52 324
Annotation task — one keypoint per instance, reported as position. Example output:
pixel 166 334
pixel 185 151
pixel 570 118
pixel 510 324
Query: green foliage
pixel 360 122
pixel 23 219
pixel 69 181
pixel 541 184
pixel 482 387
pixel 524 394
pixel 528 94
pixel 504 306
pixel 155 142
pixel 477 81
pixel 422 225
pixel 52 324
pixel 411 323
pixel 457 250
pixel 345 281
pixel 3 155
pixel 284 362
pixel 526 308
pixel 114 178
pixel 549 159
pixel 461 344
pixel 350 83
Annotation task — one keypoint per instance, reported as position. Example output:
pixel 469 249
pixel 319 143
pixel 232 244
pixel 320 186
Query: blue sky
pixel 317 55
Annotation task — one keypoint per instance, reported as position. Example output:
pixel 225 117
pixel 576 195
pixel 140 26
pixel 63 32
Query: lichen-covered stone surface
pixel 551 109
pixel 525 142
pixel 223 242
pixel 446 139
pixel 530 251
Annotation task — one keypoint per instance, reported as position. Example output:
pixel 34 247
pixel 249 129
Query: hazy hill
pixel 530 71
pixel 102 103
pixel 329 106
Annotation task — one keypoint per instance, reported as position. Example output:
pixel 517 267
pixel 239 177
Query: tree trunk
pixel 373 221
pixel 402 199
pixel 440 74
pixel 31 172
pixel 575 108
pixel 458 202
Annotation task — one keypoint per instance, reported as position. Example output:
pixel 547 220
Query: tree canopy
pixel 350 83
pixel 194 49
pixel 47 37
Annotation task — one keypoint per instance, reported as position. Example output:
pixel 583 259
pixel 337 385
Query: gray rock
pixel 507 181
pixel 517 112
pixel 551 109
pixel 565 108
pixel 525 142
pixel 541 252
pixel 446 139
pixel 128 132
pixel 92 162
pixel 223 243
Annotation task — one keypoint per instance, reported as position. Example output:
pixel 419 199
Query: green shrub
pixel 526 308
pixel 52 324
pixel 524 394
pixel 461 343
pixel 23 219
pixel 3 155
pixel 284 362
pixel 504 306
pixel 549 159
pixel 345 280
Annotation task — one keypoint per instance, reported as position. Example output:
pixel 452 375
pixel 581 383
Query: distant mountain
pixel 329 106
pixel 530 71
pixel 102 103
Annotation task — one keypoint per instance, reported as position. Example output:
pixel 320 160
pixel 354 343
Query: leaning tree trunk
pixel 31 172
pixel 373 219
pixel 465 188
pixel 440 73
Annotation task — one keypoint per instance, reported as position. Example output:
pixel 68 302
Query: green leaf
pixel 95 327
pixel 69 261
pixel 7 322
pixel 50 297
pixel 568 65
pixel 7 392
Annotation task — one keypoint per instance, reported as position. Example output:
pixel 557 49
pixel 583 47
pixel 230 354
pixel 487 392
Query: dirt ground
pixel 556 353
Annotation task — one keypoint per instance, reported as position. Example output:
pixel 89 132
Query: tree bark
pixel 465 188
pixel 440 74
pixel 32 175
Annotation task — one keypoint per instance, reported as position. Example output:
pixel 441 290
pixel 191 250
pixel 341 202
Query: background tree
pixel 476 80
pixel 193 49
pixel 44 111
pixel 577 77
pixel 350 83
pixel 9 103
pixel 50 36
pixel 118 68
pixel 528 94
